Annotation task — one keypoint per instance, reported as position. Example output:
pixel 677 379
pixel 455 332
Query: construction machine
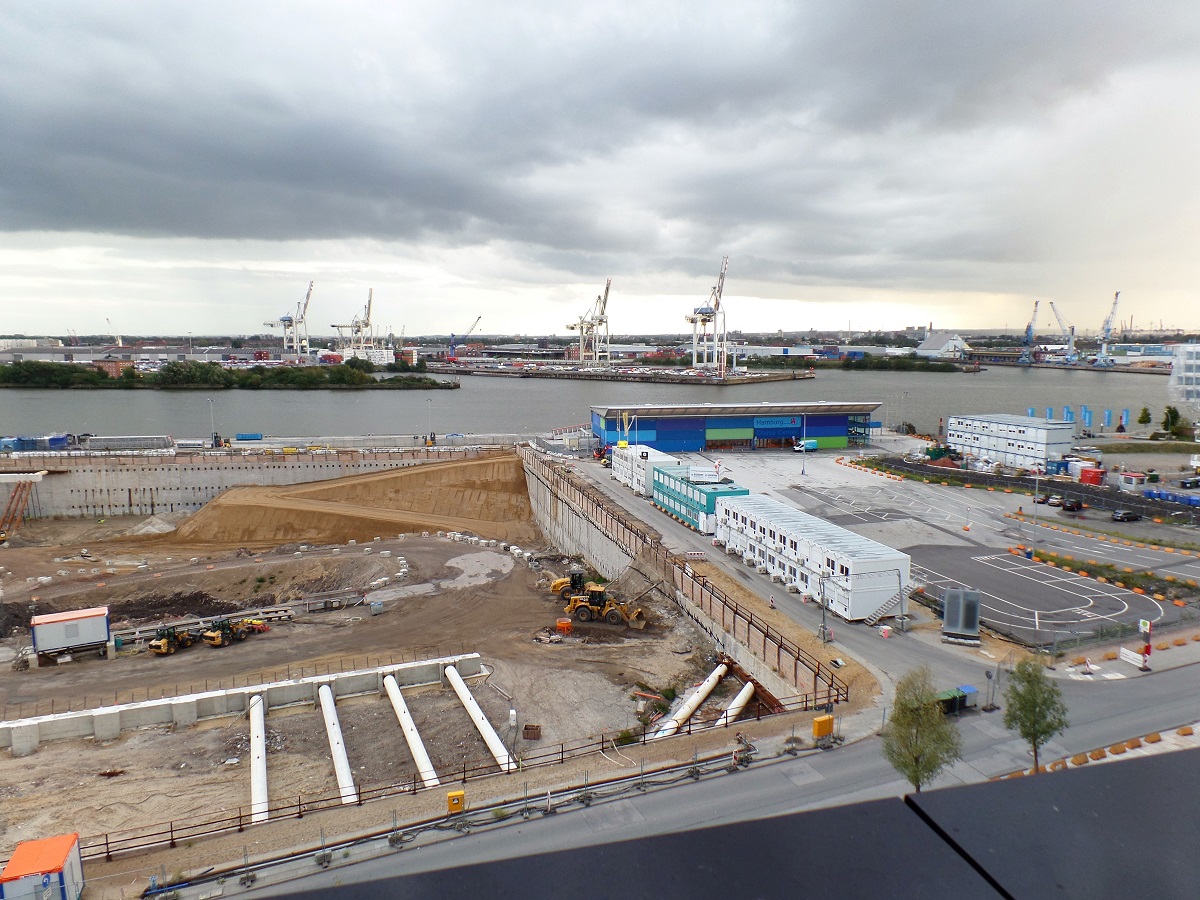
pixel 596 603
pixel 169 639
pixel 571 585
pixel 224 632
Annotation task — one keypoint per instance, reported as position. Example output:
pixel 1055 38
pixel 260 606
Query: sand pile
pixel 486 496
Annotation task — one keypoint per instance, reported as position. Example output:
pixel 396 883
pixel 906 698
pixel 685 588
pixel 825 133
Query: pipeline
pixel 486 731
pixel 337 747
pixel 415 745
pixel 259 798
pixel 692 704
pixel 734 709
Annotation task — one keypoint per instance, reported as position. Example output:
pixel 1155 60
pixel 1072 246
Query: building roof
pixel 765 408
pixel 39 857
pixel 70 615
pixel 1007 419
pixel 937 340
pixel 832 537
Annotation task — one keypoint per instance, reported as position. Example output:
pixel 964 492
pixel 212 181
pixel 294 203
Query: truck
pixel 807 446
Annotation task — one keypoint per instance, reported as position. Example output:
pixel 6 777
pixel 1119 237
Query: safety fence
pixel 791 661
pixel 176 831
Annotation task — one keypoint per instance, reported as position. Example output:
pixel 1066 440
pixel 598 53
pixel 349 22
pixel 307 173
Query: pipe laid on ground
pixel 692 704
pixel 259 800
pixel 337 747
pixel 486 731
pixel 415 745
pixel 734 709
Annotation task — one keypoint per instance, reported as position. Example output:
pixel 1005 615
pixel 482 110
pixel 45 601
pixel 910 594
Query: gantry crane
pixel 358 335
pixel 1068 333
pixel 710 350
pixel 1027 351
pixel 593 329
pixel 455 341
pixel 1103 360
pixel 295 328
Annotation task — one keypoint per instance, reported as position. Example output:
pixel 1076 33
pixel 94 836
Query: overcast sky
pixel 190 167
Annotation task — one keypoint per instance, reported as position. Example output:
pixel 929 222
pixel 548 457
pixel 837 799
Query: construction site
pixel 287 620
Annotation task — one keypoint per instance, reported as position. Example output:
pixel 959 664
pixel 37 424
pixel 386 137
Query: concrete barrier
pixel 107 722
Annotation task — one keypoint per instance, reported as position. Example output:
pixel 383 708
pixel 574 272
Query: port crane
pixel 1103 360
pixel 1068 332
pixel 593 329
pixel 455 341
pixel 357 335
pixel 116 337
pixel 710 350
pixel 1027 354
pixel 295 328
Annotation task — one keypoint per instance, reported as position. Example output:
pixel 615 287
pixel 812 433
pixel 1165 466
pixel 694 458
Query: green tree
pixel 1034 706
pixel 1144 417
pixel 1170 418
pixel 919 741
pixel 363 365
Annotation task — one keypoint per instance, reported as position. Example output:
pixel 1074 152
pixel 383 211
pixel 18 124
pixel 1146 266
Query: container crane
pixel 295 328
pixel 357 335
pixel 1068 332
pixel 710 350
pixel 455 341
pixel 1027 353
pixel 593 329
pixel 1103 360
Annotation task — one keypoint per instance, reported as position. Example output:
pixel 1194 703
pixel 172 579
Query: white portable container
pixel 66 630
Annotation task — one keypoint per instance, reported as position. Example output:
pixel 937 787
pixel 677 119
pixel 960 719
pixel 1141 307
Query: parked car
pixel 1072 505
pixel 1041 498
pixel 1124 515
pixel 1055 500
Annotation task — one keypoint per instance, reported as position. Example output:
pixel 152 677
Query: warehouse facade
pixel 735 426
pixel 856 576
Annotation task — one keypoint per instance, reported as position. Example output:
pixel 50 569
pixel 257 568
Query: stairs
pixel 888 605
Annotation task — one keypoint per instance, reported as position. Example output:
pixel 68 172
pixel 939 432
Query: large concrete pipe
pixel 734 709
pixel 259 800
pixel 486 731
pixel 337 747
pixel 692 703
pixel 415 745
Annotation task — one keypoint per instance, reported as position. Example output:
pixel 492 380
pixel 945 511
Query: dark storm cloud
pixel 833 141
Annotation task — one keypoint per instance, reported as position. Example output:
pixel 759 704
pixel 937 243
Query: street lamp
pixel 212 422
pixel 429 416
pixel 804 444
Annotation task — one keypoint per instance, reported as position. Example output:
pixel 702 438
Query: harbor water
pixel 531 405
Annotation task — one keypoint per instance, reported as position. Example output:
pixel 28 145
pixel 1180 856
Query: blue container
pixel 248 436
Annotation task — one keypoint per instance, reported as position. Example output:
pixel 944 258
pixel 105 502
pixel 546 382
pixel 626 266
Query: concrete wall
pixel 115 485
pixel 106 723
pixel 562 521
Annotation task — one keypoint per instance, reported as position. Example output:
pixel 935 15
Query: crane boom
pixel 455 341
pixel 1103 359
pixel 1068 333
pixel 1030 331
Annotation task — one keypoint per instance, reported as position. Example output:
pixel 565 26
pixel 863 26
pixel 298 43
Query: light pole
pixel 212 423
pixel 804 444
pixel 429 417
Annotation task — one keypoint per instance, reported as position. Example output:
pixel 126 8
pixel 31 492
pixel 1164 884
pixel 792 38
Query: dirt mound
pixel 166 606
pixel 486 496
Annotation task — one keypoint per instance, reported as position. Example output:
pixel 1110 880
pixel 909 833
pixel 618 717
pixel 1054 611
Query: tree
pixel 1170 418
pixel 919 741
pixel 1035 709
pixel 1144 417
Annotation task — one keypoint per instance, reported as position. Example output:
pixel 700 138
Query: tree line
pixel 353 374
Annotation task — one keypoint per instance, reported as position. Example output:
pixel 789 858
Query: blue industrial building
pixel 735 426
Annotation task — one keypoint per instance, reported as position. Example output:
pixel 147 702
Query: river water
pixel 528 405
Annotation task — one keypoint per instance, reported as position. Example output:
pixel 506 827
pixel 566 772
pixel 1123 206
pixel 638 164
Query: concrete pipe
pixel 734 709
pixel 486 731
pixel 692 703
pixel 259 799
pixel 415 745
pixel 337 747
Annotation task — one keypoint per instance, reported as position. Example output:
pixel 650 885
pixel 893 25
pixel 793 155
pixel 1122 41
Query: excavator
pixel 596 603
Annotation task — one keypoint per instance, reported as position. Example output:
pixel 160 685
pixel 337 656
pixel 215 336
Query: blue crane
pixel 1027 344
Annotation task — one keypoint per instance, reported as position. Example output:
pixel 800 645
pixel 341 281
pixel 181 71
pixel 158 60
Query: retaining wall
pixel 128 485
pixel 107 722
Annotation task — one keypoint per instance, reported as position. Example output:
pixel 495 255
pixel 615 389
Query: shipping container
pixel 248 436
pixel 46 869
pixel 68 630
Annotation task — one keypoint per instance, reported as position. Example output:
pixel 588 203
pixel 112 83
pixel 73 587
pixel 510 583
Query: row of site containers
pixel 1172 497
